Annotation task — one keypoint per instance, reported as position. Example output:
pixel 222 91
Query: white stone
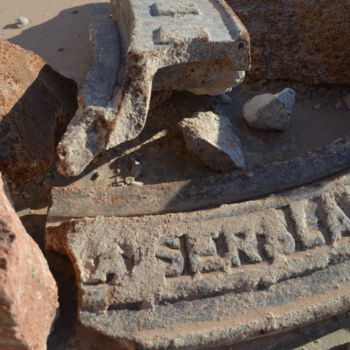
pixel 270 111
pixel 22 22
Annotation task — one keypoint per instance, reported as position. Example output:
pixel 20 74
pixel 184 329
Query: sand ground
pixel 58 30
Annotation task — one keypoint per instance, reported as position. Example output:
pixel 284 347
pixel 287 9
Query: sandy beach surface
pixel 58 30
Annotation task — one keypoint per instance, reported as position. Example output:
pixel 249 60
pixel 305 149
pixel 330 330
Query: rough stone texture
pixel 28 292
pixel 287 256
pixel 211 138
pixel 77 200
pixel 298 40
pixel 270 112
pixel 36 104
pixel 200 48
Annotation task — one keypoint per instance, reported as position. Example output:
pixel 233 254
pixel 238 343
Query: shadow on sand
pixel 63 41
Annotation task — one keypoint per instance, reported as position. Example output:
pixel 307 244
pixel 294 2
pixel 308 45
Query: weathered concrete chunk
pixel 298 40
pixel 36 104
pixel 211 138
pixel 28 292
pixel 270 112
pixel 197 46
pixel 196 279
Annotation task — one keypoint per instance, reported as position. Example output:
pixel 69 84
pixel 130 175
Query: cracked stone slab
pixel 75 201
pixel 197 46
pixel 197 279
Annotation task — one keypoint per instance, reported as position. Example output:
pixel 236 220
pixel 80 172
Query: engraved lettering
pixel 278 240
pixel 336 220
pixel 108 267
pixel 243 241
pixel 170 252
pixel 174 9
pixel 203 254
pixel 173 34
pixel 309 238
pixel 248 239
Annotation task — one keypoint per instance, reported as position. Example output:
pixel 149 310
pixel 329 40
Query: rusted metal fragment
pixel 75 202
pixel 197 279
pixel 149 37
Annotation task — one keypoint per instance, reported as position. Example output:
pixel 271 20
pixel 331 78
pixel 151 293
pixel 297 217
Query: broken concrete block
pixel 28 292
pixel 270 112
pixel 196 280
pixel 211 138
pixel 294 48
pixel 36 105
pixel 162 45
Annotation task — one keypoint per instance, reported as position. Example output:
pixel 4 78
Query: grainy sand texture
pixel 58 30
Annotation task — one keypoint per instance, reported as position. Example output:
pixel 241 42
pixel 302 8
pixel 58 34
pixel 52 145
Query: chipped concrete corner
pixel 199 46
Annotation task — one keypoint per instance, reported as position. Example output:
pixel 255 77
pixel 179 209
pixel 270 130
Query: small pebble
pixel 129 180
pixel 317 107
pixel 22 22
pixel 136 169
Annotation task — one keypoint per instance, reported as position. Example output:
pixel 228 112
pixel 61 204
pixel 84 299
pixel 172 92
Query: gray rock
pixel 269 111
pixel 211 138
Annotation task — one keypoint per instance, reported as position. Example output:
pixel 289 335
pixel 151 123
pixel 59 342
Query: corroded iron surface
pixel 195 279
pixel 207 192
